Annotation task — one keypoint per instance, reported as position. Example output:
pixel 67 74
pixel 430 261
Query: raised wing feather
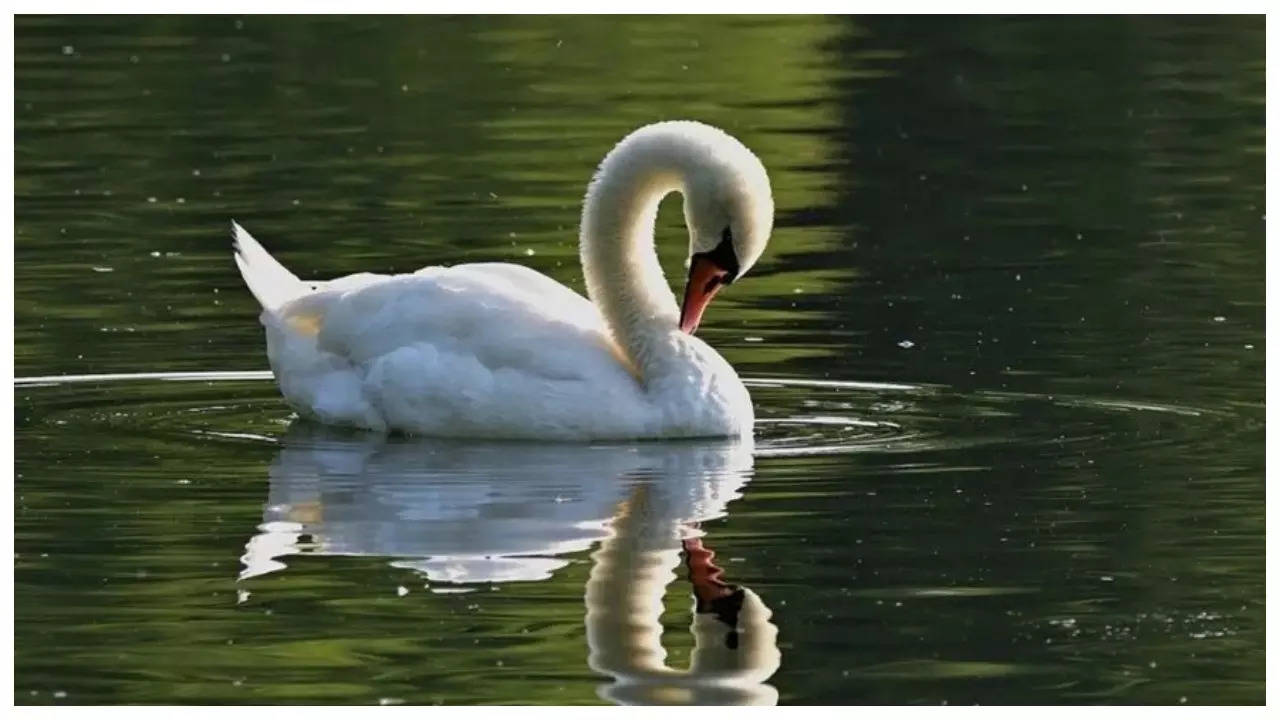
pixel 269 281
pixel 504 316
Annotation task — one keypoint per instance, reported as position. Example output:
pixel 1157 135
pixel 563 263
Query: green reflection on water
pixel 1044 208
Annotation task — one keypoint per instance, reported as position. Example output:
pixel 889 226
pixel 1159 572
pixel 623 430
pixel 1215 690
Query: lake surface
pixel 1007 350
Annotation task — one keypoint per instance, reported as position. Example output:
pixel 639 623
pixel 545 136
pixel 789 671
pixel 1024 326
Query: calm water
pixel 1007 348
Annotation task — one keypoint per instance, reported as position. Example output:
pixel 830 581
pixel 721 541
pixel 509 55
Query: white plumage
pixel 270 282
pixel 501 351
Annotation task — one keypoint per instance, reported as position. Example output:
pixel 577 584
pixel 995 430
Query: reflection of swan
pixel 501 351
pixel 735 645
pixel 473 512
pixel 459 512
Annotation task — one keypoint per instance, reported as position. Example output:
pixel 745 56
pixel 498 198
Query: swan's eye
pixel 726 257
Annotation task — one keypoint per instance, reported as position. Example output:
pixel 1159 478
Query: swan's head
pixel 728 208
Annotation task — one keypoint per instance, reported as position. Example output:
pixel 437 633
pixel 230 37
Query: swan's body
pixel 501 351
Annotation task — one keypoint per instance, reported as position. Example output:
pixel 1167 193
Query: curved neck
pixel 616 243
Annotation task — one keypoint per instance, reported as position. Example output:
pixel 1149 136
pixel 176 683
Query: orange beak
pixel 705 280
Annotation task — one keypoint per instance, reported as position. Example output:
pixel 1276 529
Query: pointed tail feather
pixel 269 281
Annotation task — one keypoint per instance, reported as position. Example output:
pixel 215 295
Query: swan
pixel 498 350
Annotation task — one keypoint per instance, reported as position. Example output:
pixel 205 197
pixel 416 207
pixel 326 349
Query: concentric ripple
pixel 795 416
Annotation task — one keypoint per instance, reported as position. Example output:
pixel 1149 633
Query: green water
pixel 1006 347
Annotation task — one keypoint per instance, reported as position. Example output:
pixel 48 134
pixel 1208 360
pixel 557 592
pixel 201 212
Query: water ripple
pixel 796 416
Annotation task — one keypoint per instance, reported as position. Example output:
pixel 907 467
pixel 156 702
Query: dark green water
pixel 1007 348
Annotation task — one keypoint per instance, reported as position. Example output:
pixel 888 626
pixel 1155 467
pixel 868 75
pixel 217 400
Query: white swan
pixel 501 351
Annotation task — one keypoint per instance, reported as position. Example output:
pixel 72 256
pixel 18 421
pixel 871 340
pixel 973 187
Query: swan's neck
pixel 619 260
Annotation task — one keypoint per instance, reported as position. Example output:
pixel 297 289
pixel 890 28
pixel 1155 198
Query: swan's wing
pixel 535 288
pixel 503 315
pixel 269 281
pixel 494 349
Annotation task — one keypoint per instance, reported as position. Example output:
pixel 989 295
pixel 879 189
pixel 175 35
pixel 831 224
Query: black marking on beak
pixel 724 258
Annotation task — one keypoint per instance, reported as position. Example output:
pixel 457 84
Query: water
pixel 1007 351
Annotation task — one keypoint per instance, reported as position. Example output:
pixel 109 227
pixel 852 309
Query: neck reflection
pixel 735 645
pixel 508 512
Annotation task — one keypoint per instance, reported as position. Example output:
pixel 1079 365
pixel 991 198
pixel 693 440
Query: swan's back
pixel 486 349
pixel 459 351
